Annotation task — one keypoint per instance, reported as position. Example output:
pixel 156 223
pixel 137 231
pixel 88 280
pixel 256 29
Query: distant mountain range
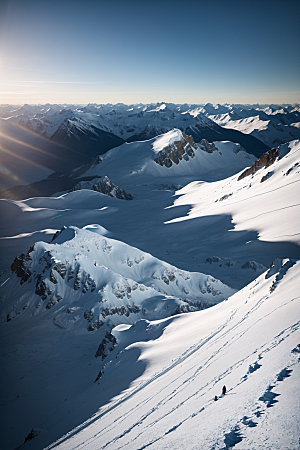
pixel 144 266
pixel 59 138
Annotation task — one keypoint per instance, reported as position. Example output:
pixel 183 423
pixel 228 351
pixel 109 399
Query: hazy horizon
pixel 151 103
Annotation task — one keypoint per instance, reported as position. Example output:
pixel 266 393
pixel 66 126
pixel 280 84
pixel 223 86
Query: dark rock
pixel 265 177
pixel 208 147
pixel 61 269
pixel 57 233
pixel 106 346
pixel 95 325
pixel 266 160
pixel 52 277
pixel 20 266
pixel 41 288
pixel 120 310
pixel 30 436
pixel 105 186
pixel 175 152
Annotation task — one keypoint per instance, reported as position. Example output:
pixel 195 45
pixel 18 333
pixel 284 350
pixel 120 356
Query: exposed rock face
pixel 89 281
pixel 106 346
pixel 105 186
pixel 208 147
pixel 266 177
pixel 266 160
pixel 175 152
pixel 20 266
pixel 57 233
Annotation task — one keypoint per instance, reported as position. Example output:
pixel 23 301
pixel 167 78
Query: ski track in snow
pixel 172 394
pixel 292 329
pixel 217 335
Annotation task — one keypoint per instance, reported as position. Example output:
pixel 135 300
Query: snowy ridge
pixel 138 160
pixel 112 123
pixel 256 201
pixel 272 124
pixel 92 321
pixel 250 343
pixel 167 139
pixel 84 278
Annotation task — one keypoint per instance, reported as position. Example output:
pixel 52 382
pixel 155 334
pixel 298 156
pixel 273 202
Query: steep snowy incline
pixel 266 200
pixel 250 343
pixel 57 310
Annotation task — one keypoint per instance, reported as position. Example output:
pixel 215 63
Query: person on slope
pixel 224 390
pixel 216 398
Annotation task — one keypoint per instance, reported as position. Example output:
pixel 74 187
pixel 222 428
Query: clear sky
pixel 131 51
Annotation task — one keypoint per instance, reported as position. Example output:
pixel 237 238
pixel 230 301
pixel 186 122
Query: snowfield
pixel 123 318
pixel 250 343
pixel 255 203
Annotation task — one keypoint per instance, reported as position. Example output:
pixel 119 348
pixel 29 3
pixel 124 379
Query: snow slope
pixel 24 156
pixel 69 124
pixel 90 342
pixel 273 126
pixel 94 276
pixel 250 343
pixel 76 289
pixel 270 206
pixel 142 222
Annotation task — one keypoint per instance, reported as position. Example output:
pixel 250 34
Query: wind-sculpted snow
pixel 249 343
pixel 92 330
pixel 257 198
pixel 88 280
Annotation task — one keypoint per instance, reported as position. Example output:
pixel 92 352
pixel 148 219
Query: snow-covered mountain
pixel 271 124
pixel 61 137
pixel 100 127
pixel 249 343
pixel 141 222
pixel 262 198
pixel 97 128
pixel 84 277
pixel 159 378
pixel 104 345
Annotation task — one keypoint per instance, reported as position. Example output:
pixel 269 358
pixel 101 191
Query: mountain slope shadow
pixel 190 242
pixel 54 388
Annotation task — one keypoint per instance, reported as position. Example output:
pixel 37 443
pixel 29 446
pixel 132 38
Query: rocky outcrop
pixel 105 186
pixel 266 160
pixel 266 177
pixel 57 233
pixel 20 266
pixel 91 281
pixel 206 146
pixel 176 151
pixel 106 346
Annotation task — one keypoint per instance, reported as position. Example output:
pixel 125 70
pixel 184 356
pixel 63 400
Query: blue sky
pixel 148 51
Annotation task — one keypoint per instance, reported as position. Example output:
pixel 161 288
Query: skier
pixel 224 390
pixel 216 398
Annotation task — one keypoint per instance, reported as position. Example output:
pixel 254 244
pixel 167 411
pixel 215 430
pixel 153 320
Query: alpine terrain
pixel 150 257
